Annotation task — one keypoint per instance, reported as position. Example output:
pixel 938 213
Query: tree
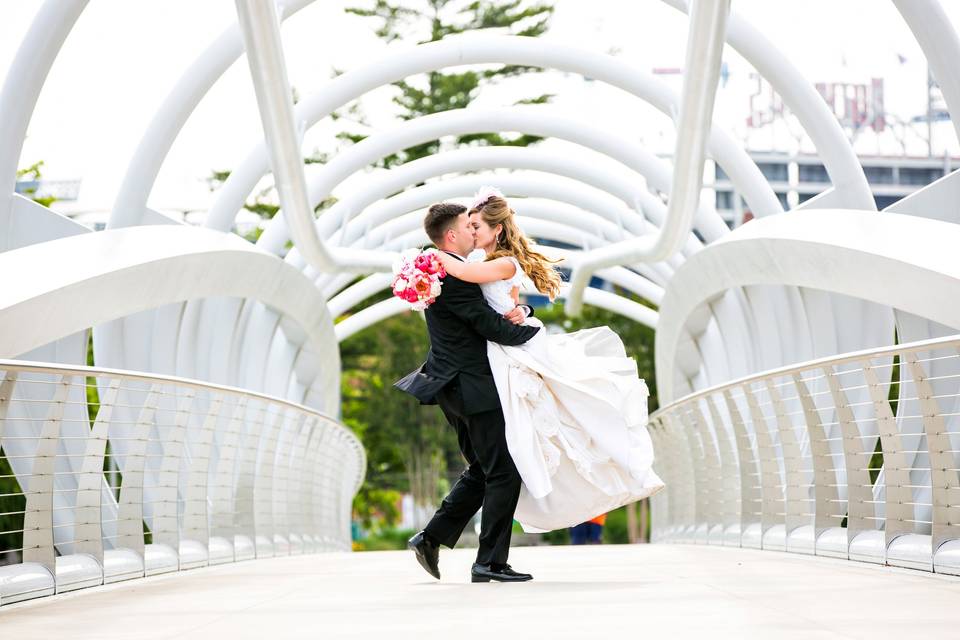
pixel 411 448
pixel 435 92
pixel 34 172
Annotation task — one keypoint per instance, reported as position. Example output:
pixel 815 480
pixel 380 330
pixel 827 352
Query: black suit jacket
pixel 460 323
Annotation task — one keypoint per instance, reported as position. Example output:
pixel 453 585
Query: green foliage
pixel 376 508
pixel 615 527
pixel 409 447
pixel 12 505
pixel 386 540
pixel 34 172
pixel 263 203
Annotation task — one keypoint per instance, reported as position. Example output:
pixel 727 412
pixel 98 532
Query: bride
pixel 574 409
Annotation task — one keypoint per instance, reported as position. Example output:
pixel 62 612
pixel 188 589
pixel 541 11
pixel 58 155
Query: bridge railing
pixel 853 456
pixel 109 475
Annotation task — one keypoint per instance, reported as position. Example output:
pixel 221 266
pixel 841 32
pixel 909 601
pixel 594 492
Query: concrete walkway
pixel 644 591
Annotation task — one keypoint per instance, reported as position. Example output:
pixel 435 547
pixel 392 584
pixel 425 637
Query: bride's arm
pixel 479 272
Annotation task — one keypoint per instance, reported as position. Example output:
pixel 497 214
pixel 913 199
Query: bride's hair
pixel 511 242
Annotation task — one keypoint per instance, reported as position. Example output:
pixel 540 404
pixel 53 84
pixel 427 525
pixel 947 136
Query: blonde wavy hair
pixel 511 242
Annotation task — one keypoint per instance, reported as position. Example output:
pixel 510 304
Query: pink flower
pixel 417 278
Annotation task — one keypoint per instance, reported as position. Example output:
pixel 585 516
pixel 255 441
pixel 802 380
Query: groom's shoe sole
pixel 479 579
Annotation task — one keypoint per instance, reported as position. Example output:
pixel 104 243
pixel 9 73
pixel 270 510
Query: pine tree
pixel 437 91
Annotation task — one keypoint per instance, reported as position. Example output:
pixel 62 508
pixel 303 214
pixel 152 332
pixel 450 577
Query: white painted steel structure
pixel 161 474
pixel 852 457
pixel 230 352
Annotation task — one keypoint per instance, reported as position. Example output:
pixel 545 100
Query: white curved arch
pixel 941 47
pixel 800 96
pixel 24 81
pixel 172 115
pixel 412 235
pixel 850 190
pixel 624 184
pixel 532 120
pixel 836 250
pixel 497 49
pixel 544 186
pixel 125 271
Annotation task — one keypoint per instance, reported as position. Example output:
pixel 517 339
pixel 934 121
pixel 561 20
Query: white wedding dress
pixel 575 416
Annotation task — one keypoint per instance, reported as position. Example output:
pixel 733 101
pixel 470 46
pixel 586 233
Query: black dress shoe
pixel 501 573
pixel 428 553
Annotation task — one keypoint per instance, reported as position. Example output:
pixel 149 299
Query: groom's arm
pixel 467 303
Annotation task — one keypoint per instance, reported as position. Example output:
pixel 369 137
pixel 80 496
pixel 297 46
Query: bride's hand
pixel 450 264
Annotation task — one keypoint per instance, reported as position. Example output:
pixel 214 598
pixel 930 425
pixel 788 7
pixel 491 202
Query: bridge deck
pixel 668 590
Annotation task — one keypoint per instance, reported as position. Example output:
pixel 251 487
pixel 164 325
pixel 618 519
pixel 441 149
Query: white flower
pixel 484 194
pixel 404 264
pixel 435 289
pixel 400 285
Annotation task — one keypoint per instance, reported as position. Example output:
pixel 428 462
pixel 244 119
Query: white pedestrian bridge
pixel 197 479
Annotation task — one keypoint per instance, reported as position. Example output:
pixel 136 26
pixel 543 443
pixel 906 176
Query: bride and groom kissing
pixel 552 427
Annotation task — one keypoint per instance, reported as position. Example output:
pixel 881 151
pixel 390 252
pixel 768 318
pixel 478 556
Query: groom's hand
pixel 517 315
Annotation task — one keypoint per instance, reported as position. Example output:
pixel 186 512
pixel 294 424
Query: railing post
pixel 712 476
pixel 196 525
pixel 827 511
pixel 295 523
pixel 38 519
pixel 772 507
pixel 222 491
pixel 281 484
pixel 730 473
pixel 308 488
pixel 943 466
pixel 244 491
pixel 856 459
pixel 699 473
pixel 796 492
pixel 130 505
pixel 661 518
pixel 263 485
pixel 166 520
pixel 751 498
pixel 898 497
pixel 88 525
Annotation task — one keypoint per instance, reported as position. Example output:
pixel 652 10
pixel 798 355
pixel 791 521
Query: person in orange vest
pixel 589 532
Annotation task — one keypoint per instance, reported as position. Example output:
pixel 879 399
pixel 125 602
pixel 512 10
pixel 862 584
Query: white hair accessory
pixel 482 195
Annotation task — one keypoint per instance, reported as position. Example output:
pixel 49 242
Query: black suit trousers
pixel 491 480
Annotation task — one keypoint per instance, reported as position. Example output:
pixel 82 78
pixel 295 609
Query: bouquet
pixel 417 278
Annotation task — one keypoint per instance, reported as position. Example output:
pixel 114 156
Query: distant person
pixel 589 532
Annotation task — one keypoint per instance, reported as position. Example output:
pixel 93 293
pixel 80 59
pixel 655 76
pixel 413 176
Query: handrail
pixel 53 367
pixel 855 456
pixel 160 473
pixel 919 345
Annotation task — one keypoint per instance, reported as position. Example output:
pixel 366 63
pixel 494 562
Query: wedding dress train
pixel 575 416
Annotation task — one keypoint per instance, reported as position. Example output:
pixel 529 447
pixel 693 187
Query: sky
pixel 123 57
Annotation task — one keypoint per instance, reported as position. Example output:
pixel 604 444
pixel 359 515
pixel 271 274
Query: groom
pixel 457 376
